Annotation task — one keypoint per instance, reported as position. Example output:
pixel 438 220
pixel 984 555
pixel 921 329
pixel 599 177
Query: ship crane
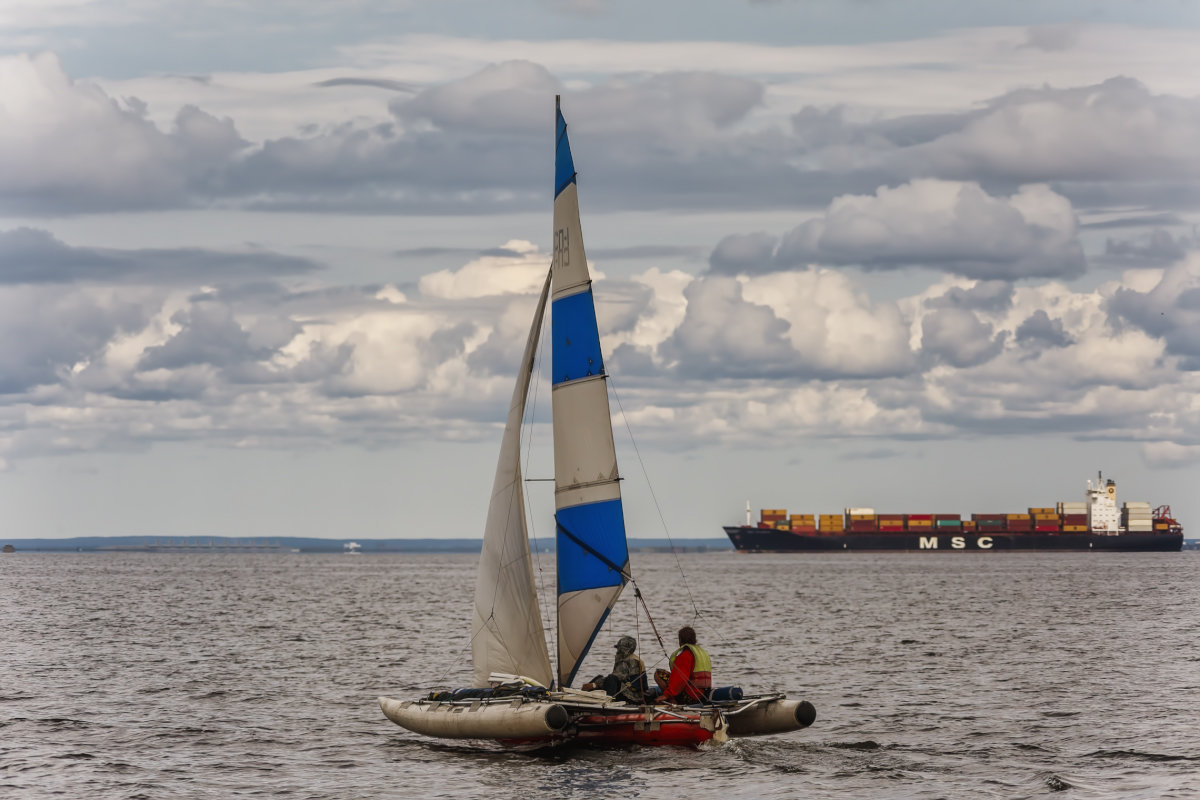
pixel 1163 514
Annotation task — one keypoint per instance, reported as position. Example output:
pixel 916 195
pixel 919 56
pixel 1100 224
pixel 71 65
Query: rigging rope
pixel 543 603
pixel 658 508
pixel 696 612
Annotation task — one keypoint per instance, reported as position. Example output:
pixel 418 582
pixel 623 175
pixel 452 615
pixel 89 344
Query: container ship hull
pixel 760 540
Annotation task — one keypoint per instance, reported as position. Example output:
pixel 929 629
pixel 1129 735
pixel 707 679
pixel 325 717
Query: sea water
pixel 160 675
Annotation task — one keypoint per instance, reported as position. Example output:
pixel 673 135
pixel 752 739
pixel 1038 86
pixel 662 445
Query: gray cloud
pixel 723 335
pixel 817 128
pixel 1136 221
pixel 1052 38
pixel 123 162
pixel 45 332
pixel 210 335
pixel 643 141
pixel 748 252
pixel 959 338
pixel 955 227
pixel 508 97
pixel 1170 311
pixel 1050 134
pixel 874 454
pixel 829 333
pixel 1040 330
pixel 31 255
pixel 647 251
pixel 983 296
pixel 377 83
pixel 1156 248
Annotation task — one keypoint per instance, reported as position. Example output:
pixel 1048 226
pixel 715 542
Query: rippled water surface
pixel 934 676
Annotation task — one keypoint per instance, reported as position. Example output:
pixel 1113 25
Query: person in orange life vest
pixel 690 677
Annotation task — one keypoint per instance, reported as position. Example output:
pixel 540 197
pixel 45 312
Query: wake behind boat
pixel 517 697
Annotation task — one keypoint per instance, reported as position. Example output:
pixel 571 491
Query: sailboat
pixel 518 698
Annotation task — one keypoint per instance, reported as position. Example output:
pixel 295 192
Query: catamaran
pixel 518 698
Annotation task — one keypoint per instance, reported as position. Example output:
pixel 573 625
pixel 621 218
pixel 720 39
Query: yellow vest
pixel 701 670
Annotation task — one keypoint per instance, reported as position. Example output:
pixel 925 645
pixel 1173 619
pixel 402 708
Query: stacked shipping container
pixel 1136 517
pixel 1066 517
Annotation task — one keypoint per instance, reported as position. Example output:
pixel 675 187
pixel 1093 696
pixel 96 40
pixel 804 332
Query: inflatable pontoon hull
pixel 514 720
pixel 522 721
pixel 769 715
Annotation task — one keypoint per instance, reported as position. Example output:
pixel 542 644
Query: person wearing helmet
pixel 627 681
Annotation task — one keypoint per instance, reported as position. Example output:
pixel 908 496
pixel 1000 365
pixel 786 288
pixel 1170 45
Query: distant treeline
pixel 310 545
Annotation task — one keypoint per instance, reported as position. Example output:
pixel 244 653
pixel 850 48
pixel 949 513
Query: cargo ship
pixel 1096 523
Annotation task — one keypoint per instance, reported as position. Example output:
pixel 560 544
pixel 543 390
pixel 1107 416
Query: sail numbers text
pixel 562 247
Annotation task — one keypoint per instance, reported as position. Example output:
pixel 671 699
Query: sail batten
pixel 593 556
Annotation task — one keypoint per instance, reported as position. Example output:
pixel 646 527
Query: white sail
pixel 593 557
pixel 506 629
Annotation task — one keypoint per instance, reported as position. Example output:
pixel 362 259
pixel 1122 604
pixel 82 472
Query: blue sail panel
pixel 603 554
pixel 576 350
pixel 564 165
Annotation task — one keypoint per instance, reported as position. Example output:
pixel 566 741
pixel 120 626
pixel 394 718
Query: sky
pixel 266 269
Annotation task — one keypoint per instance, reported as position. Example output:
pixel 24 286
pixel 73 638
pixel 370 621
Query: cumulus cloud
pixel 46 333
pixel 517 268
pixel 946 225
pixel 124 161
pixel 1170 455
pixel 1153 249
pixel 1040 330
pixel 209 334
pixel 806 352
pixel 725 335
pixel 502 97
pixel 1170 311
pixel 959 338
pixel 745 252
pixel 682 139
pixel 1113 143
pixel 1115 130
pixel 982 295
pixel 806 324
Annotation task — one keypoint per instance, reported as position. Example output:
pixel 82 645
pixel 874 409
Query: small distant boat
pixel 8 548
pixel 352 548
pixel 516 697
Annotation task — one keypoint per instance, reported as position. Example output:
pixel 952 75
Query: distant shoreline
pixel 298 544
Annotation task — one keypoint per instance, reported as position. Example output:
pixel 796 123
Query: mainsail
pixel 506 629
pixel 593 557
